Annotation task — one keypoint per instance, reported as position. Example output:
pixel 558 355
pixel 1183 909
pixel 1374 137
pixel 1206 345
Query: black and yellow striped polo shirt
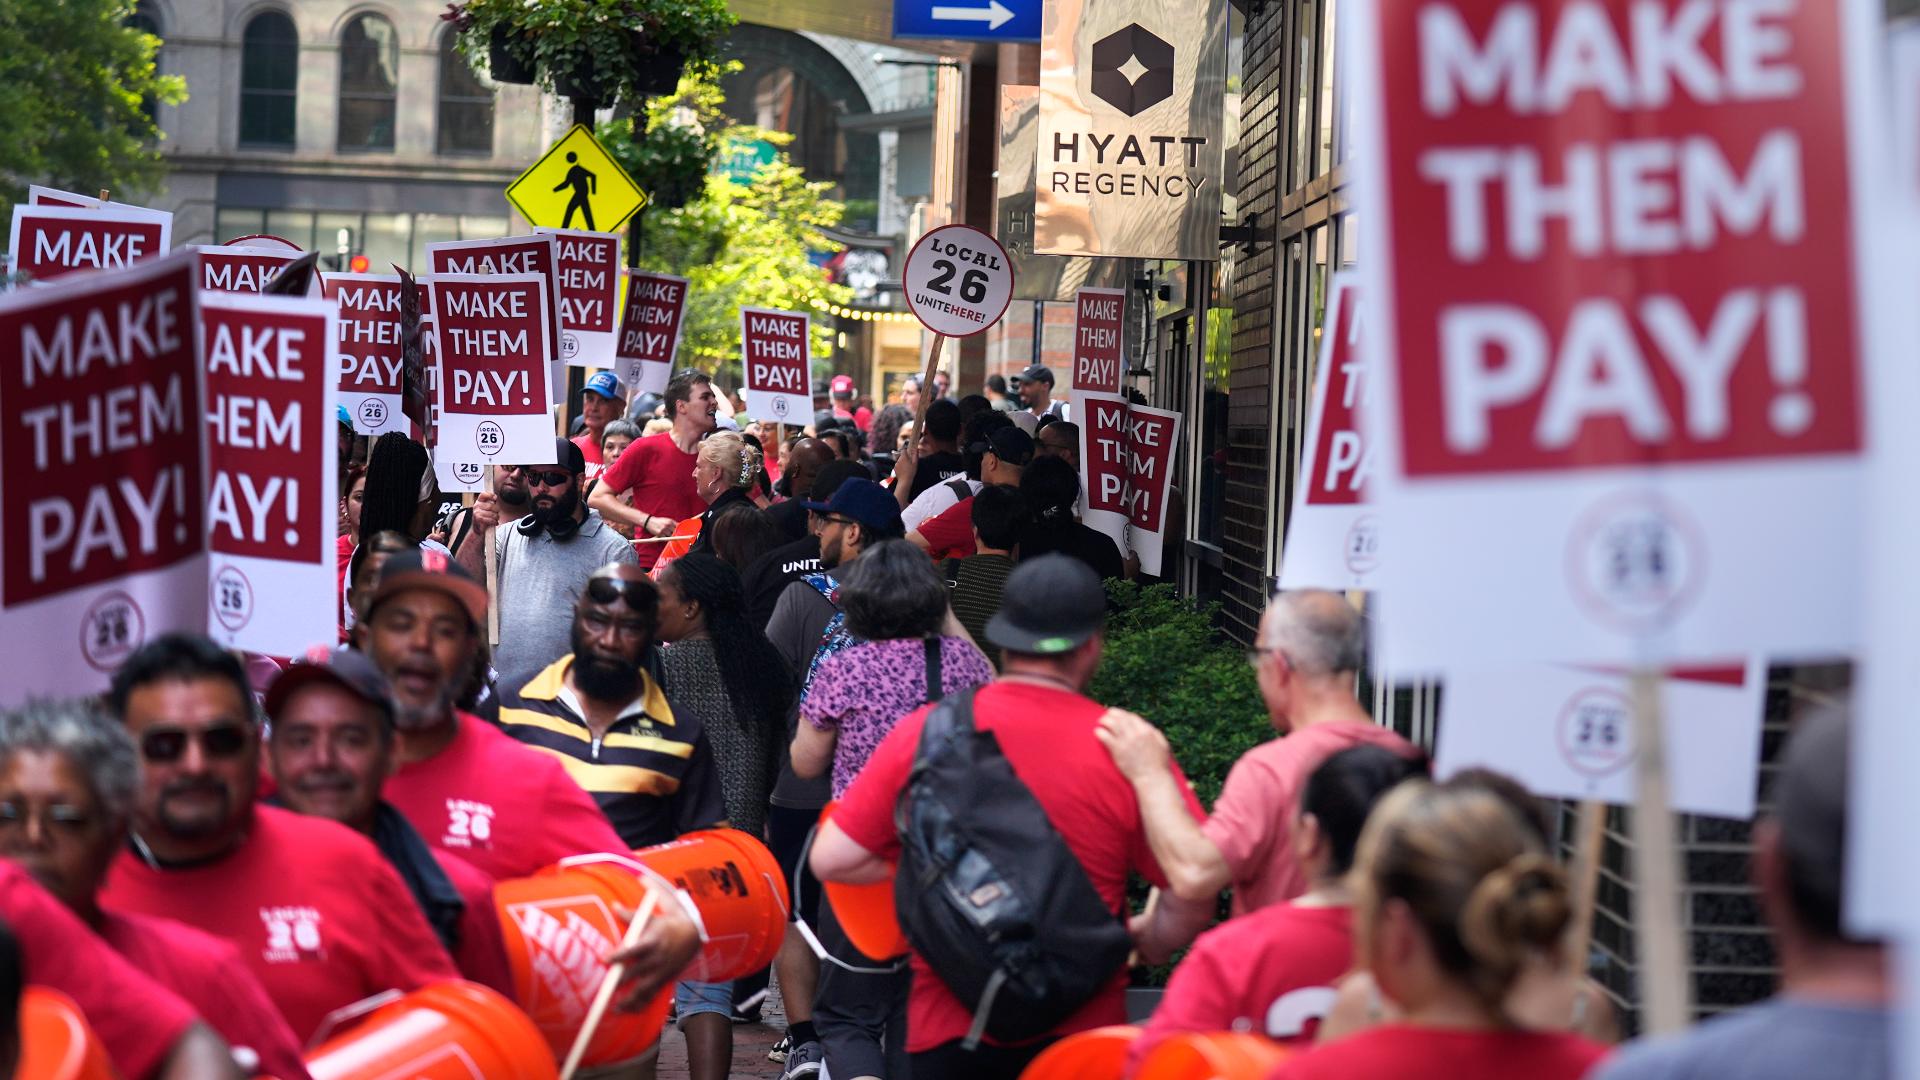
pixel 652 773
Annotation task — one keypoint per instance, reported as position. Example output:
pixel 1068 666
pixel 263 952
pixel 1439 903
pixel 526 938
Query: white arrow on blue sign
pixel 992 20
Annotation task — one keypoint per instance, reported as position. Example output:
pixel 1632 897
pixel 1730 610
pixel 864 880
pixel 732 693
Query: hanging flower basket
pixel 598 51
pixel 504 63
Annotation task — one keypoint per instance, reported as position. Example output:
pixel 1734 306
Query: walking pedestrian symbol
pixel 576 184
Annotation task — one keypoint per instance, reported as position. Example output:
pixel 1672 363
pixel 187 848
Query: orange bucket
pixel 55 1041
pixel 1210 1055
pixel 866 913
pixel 442 1031
pixel 739 891
pixel 1100 1054
pixel 557 926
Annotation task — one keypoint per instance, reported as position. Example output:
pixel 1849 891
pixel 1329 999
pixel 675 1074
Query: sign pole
pixel 1592 827
pixel 493 566
pixel 1661 946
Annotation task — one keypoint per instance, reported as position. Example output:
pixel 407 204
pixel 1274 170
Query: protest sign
pixel 1603 258
pixel 369 353
pixel 420 389
pixel 1126 469
pixel 39 195
pixel 589 286
pixel 1333 533
pixel 100 453
pixel 460 475
pixel 1568 732
pixel 1098 317
pixel 957 280
pixel 243 269
pixel 775 347
pixel 45 242
pixel 656 308
pixel 513 255
pixel 271 499
pixel 490 331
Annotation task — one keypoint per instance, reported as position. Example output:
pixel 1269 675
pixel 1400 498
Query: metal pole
pixel 1039 326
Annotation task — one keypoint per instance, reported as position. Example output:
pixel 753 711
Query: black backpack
pixel 988 892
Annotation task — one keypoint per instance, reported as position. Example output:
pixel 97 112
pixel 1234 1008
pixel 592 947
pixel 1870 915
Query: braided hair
pixel 756 676
pixel 392 497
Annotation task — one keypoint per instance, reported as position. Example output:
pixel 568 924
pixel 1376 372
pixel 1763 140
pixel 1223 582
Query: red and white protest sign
pixel 271 516
pixel 39 195
pixel 1607 242
pixel 101 456
pixel 512 255
pixel 1098 317
pixel 1333 532
pixel 589 290
pixel 1126 467
pixel 1568 733
pixel 244 269
pixel 368 360
pixel 775 347
pixel 656 309
pixel 45 242
pixel 490 333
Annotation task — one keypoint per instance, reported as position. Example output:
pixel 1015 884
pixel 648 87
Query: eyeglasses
pixel 836 519
pixel 542 477
pixel 60 818
pixel 605 590
pixel 164 745
pixel 1257 656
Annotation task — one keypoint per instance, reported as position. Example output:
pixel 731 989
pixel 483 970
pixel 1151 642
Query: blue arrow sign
pixel 967 20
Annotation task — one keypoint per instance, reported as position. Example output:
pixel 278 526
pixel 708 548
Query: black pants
pixel 861 1018
pixel 949 1062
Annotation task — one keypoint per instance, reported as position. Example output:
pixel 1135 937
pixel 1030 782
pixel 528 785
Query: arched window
pixel 269 73
pixel 466 105
pixel 369 73
pixel 144 21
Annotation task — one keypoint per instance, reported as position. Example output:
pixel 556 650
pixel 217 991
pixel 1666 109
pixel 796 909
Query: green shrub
pixel 1165 661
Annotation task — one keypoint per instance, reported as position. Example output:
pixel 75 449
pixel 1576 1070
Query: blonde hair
pixel 733 456
pixel 657 425
pixel 1475 877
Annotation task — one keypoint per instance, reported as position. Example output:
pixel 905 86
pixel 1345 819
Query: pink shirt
pixel 1252 823
pixel 506 809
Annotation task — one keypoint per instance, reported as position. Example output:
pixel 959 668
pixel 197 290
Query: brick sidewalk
pixel 750 1045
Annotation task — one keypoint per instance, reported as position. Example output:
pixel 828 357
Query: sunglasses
pixel 164 745
pixel 606 590
pixel 544 477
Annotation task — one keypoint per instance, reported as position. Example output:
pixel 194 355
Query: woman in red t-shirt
pixel 1454 897
pixel 1273 971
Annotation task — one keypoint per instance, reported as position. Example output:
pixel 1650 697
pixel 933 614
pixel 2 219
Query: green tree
pixel 741 245
pixel 73 82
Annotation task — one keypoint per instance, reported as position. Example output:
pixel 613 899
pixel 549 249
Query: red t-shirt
pixel 949 534
pixel 590 450
pixel 1394 1051
pixel 507 810
pixel 314 909
pixel 482 956
pixel 1271 973
pixel 1047 736
pixel 136 1019
pixel 207 971
pixel 1252 821
pixel 660 476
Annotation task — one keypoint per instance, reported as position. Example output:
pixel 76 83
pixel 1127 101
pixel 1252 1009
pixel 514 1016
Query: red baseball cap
pixel 842 384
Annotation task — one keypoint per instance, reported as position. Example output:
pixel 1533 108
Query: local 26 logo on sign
pixel 1150 59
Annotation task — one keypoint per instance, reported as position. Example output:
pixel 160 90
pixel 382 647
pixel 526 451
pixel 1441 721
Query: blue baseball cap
pixel 606 385
pixel 340 413
pixel 862 500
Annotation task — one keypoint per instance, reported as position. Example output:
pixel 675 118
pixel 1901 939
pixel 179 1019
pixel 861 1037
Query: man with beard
pixel 464 785
pixel 316 913
pixel 545 559
pixel 650 767
pixel 659 468
pixel 507 502
pixel 331 749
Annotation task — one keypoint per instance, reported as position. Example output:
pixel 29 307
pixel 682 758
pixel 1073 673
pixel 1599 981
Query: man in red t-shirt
pixel 949 534
pixel 601 403
pixel 659 468
pixel 1050 631
pixel 1312 644
pixel 464 784
pixel 318 915
pixel 332 747
pixel 71 776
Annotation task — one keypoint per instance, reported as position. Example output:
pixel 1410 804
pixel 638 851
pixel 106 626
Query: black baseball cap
pixel 568 455
pixel 1051 605
pixel 1011 445
pixel 1037 372
pixel 345 668
pixel 429 570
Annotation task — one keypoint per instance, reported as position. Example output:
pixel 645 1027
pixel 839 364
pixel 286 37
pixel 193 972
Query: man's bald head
pixel 804 462
pixel 1318 632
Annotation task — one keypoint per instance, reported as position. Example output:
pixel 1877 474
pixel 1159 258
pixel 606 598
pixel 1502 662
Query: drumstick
pixel 607 986
pixel 664 539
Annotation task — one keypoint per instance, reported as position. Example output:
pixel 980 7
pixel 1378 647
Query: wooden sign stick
pixel 608 985
pixel 1661 946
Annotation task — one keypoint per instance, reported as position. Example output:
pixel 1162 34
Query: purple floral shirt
pixel 863 690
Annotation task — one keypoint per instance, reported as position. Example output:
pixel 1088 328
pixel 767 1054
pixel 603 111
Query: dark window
pixel 142 20
pixel 466 105
pixel 269 72
pixel 369 73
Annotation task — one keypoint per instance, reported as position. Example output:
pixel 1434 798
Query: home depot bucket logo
pixel 564 939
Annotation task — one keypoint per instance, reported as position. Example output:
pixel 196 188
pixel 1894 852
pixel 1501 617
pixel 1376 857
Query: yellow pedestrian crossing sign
pixel 576 184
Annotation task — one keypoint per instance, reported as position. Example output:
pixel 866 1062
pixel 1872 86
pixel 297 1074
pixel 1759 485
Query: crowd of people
pixel 681 625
